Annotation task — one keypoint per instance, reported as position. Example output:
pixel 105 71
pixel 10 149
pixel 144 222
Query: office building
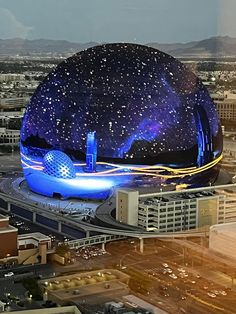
pixel 225 105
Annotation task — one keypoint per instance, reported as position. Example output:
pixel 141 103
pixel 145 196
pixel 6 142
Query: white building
pixel 127 206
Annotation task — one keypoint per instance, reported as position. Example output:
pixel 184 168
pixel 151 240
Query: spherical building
pixel 150 114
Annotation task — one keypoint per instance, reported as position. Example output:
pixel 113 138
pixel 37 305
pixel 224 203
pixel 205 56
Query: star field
pixel 128 94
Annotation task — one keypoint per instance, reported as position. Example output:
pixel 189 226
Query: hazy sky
pixel 117 20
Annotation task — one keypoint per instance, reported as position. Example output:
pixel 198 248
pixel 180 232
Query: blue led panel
pixel 115 105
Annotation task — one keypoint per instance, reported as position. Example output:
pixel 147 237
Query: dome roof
pixel 145 106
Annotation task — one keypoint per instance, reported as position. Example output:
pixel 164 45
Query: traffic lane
pixel 190 285
pixel 178 289
pixel 37 269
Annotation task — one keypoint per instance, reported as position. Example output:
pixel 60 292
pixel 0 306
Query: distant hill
pixel 37 46
pixel 211 47
pixel 214 46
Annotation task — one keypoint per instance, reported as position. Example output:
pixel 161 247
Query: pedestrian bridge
pixel 99 239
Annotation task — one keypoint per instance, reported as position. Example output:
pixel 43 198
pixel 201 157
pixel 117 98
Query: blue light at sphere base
pixel 152 121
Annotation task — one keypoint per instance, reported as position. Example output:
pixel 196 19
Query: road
pixel 189 293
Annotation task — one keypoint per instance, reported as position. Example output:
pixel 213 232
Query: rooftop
pixel 87 285
pixel 8 229
pixel 3 217
pixel 35 235
pixel 83 279
pixel 91 292
pixel 176 196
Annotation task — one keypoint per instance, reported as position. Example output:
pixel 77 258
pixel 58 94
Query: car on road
pixel 10 274
pixel 222 292
pixel 165 265
pixel 173 276
pixel 212 295
pixel 164 271
pixel 169 270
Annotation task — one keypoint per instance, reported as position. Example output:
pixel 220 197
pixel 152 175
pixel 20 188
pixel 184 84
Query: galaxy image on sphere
pixel 141 102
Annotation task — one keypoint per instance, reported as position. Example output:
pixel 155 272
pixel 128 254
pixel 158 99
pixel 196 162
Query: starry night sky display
pixel 129 94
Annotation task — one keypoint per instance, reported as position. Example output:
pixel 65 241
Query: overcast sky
pixel 141 21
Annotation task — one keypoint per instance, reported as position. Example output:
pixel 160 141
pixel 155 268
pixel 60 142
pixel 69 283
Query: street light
pixel 121 260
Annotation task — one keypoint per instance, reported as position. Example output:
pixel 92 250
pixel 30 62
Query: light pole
pixel 121 260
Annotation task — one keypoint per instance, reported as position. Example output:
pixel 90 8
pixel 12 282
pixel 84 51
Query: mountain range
pixel 220 46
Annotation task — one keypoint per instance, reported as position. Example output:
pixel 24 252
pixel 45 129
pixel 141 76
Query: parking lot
pixel 89 252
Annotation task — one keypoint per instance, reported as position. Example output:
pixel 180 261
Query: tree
pixel 62 250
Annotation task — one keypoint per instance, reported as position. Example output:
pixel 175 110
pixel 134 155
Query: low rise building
pixel 87 287
pixel 33 248
pixel 9 77
pixel 9 137
pixel 7 104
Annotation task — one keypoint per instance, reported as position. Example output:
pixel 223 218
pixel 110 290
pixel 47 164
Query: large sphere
pixel 145 106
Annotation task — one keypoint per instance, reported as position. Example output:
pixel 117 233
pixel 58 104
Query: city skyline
pixel 110 21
